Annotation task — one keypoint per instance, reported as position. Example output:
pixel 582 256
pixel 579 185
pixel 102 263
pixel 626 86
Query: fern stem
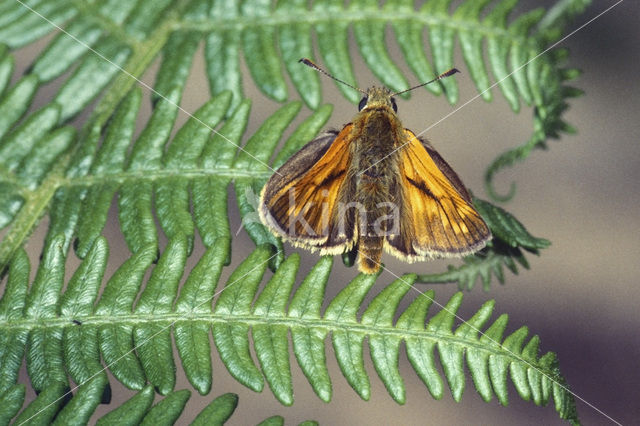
pixel 348 17
pixel 26 220
pixel 157 175
pixel 171 319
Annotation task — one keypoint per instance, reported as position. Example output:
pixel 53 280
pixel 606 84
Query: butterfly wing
pixel 437 217
pixel 300 200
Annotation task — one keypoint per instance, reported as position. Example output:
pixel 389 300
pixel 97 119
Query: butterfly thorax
pixel 377 131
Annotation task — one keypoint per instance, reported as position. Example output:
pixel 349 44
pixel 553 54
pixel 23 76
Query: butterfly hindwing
pixel 300 200
pixel 437 217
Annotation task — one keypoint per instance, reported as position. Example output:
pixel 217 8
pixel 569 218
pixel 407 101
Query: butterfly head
pixel 378 98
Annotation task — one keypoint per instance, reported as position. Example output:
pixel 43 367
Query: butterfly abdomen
pixel 370 254
pixel 378 218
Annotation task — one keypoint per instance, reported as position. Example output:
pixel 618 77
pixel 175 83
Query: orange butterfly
pixel 373 186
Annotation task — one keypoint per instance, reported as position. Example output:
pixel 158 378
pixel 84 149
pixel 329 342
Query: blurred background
pixel 580 296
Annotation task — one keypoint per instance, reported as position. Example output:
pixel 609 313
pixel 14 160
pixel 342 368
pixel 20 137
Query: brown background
pixel 580 295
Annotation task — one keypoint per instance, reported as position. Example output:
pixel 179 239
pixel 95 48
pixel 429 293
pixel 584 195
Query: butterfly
pixel 373 186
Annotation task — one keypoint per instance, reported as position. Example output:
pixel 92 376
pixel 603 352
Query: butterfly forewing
pixel 437 218
pixel 300 201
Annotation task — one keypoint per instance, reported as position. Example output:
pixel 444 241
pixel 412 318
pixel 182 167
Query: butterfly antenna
pixel 452 71
pixel 311 64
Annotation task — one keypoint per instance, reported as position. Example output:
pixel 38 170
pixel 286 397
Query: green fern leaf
pixel 409 36
pixel 384 349
pixel 130 412
pixel 65 50
pixel 109 159
pixel 419 351
pixel 6 67
pixel 441 41
pixel 11 401
pixel 222 54
pixel 270 341
pixel 549 98
pixel 478 360
pixel 210 192
pixel 13 341
pixel 218 411
pixel 135 201
pixel 471 43
pixel 172 195
pixel 308 341
pixel 22 140
pixel 44 346
pixel 167 411
pixel 450 355
pixel 80 344
pixel 334 46
pixel 76 94
pixel 137 410
pixel 258 43
pixel 177 55
pixel 272 421
pixel 498 52
pixel 195 297
pixel 17 100
pixel 82 405
pixel 116 340
pixel 497 365
pixel 302 135
pixel 23 26
pixel 153 342
pixel 42 410
pixel 232 338
pixel 254 156
pixel 66 201
pixel 370 39
pixel 295 42
pixel 348 343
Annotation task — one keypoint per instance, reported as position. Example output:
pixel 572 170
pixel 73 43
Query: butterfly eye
pixel 393 104
pixel 363 103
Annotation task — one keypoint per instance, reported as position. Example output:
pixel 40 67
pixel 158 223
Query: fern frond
pixel 114 326
pixel 484 264
pixel 548 123
pixel 505 249
pixel 262 32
